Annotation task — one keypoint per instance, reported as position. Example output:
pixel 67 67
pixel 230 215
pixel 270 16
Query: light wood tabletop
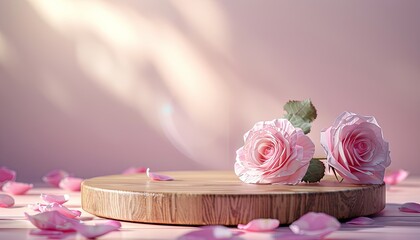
pixel 390 223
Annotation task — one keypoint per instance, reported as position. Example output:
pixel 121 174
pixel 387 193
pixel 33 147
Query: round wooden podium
pixel 220 198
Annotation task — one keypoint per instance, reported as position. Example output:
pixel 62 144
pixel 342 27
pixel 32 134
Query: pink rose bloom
pixel 274 152
pixel 356 149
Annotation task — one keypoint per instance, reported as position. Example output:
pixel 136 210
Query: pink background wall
pixel 94 87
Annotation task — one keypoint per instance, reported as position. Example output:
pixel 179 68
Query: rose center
pixel 265 151
pixel 363 148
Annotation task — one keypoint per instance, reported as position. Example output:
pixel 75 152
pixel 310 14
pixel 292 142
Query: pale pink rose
pixel 356 149
pixel 274 152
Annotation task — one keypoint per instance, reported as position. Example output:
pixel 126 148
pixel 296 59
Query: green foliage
pixel 315 171
pixel 300 114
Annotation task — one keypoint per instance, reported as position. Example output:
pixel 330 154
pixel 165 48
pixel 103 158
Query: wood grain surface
pixel 214 197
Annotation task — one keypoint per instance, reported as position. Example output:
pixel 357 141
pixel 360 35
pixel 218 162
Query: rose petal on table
pixel 61 209
pixel 50 198
pixel 54 177
pixel 361 221
pixel 395 177
pixel 134 170
pixel 209 233
pixel 52 221
pixel 39 207
pixel 260 225
pixel 411 207
pixel 6 201
pixel 315 224
pixel 16 188
pixel 71 183
pixel 97 230
pixel 6 175
pixel 158 177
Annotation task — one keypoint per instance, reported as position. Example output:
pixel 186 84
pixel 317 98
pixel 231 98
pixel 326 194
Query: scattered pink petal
pixel 395 177
pixel 6 175
pixel 361 221
pixel 410 207
pixel 113 223
pixel 6 201
pixel 39 207
pixel 61 209
pixel 315 224
pixel 260 225
pixel 50 198
pixel 94 231
pixel 16 188
pixel 158 177
pixel 54 177
pixel 52 221
pixel 134 170
pixel 209 233
pixel 71 183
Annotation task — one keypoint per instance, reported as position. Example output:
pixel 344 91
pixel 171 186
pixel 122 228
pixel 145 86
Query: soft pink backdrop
pixel 94 87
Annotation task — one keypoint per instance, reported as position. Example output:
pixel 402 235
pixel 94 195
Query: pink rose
pixel 356 149
pixel 274 152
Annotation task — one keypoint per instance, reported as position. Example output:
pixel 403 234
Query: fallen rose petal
pixel 61 209
pixel 410 207
pixel 315 224
pixel 54 177
pixel 6 175
pixel 260 225
pixel 395 177
pixel 6 201
pixel 16 188
pixel 134 170
pixel 71 183
pixel 52 221
pixel 97 230
pixel 361 221
pixel 50 198
pixel 209 233
pixel 39 207
pixel 113 223
pixel 158 177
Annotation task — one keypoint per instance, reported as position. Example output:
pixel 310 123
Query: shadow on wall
pixel 94 87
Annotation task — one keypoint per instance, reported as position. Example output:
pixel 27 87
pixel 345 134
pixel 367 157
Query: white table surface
pixel 389 224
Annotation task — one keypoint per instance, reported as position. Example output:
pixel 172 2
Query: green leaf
pixel 304 109
pixel 300 114
pixel 299 122
pixel 315 171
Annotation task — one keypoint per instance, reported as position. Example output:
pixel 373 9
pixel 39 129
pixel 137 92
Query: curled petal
pixel 16 188
pixel 315 224
pixel 51 198
pixel 94 231
pixel 71 183
pixel 395 177
pixel 260 225
pixel 209 233
pixel 39 207
pixel 361 221
pixel 61 209
pixel 6 175
pixel 52 221
pixel 134 170
pixel 410 207
pixel 54 177
pixel 158 177
pixel 6 201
